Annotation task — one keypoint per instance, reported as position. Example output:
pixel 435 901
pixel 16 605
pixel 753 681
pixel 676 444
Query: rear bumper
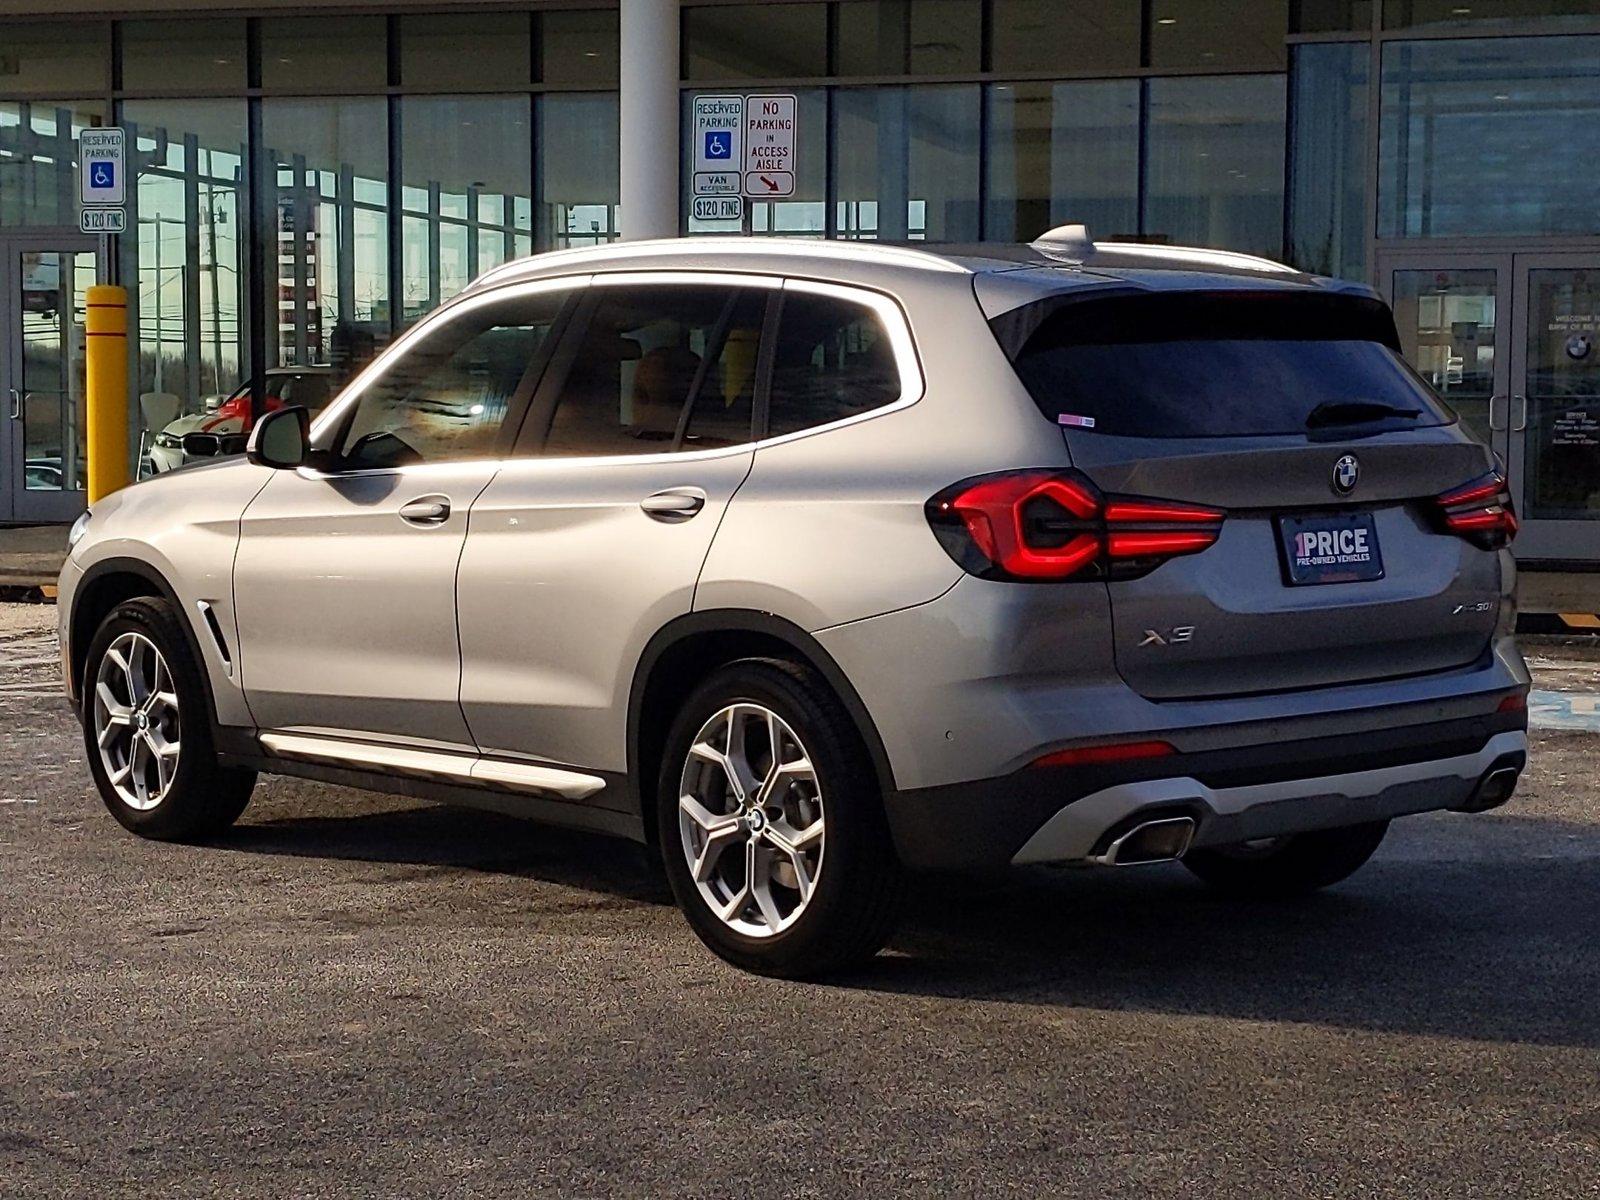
pixel 1071 814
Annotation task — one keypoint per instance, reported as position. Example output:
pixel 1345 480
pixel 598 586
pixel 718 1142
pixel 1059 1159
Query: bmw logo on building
pixel 1345 473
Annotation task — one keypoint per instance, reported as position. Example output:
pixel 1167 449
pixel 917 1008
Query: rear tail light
pixel 1480 511
pixel 1053 525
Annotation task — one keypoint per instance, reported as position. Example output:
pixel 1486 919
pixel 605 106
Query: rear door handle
pixel 426 510
pixel 674 504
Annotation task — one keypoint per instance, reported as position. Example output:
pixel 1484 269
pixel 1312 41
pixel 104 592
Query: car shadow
pixel 1490 948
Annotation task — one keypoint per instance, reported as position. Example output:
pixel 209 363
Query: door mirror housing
pixel 281 439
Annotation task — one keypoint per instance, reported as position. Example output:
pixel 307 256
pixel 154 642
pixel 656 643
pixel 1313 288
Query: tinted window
pixel 448 396
pixel 645 352
pixel 833 361
pixel 1199 365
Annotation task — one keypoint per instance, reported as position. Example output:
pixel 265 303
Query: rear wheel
pixel 147 731
pixel 1287 866
pixel 771 825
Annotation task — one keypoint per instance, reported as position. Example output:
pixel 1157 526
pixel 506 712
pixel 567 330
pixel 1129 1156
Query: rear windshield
pixel 1197 364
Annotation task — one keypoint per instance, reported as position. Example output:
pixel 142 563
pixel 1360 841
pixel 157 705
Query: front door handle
pixel 426 510
pixel 674 504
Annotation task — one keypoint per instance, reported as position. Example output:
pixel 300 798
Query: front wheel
pixel 1287 866
pixel 147 731
pixel 771 825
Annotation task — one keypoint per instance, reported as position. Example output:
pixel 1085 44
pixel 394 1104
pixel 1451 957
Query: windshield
pixel 1194 364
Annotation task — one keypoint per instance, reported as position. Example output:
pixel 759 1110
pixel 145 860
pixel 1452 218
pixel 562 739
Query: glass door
pixel 1554 411
pixel 42 307
pixel 1453 312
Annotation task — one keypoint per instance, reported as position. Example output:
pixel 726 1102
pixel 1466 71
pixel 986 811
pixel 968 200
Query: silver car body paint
pixel 511 632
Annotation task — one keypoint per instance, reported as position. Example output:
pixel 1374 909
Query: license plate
pixel 1330 548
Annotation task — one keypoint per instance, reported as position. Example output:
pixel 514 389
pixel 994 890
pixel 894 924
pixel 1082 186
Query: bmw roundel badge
pixel 1345 473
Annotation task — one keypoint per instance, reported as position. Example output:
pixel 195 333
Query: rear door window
pixel 833 360
pixel 658 367
pixel 1192 364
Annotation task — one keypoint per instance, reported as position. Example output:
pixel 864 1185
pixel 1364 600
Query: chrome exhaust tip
pixel 1493 790
pixel 1160 840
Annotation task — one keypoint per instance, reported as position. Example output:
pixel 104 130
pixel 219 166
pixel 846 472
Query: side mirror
pixel 281 439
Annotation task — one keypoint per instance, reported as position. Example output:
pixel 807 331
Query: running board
pixel 432 764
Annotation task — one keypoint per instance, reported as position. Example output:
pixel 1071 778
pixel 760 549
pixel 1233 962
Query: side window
pixel 641 357
pixel 833 361
pixel 448 396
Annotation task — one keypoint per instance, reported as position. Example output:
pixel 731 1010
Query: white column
pixel 649 118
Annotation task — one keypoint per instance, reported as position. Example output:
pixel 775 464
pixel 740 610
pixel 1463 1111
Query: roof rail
pixel 1072 244
pixel 902 256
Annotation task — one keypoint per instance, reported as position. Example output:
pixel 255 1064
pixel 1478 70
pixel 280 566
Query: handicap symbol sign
pixel 102 174
pixel 719 143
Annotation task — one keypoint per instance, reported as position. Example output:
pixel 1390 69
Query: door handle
pixel 674 504
pixel 16 405
pixel 1494 425
pixel 1521 421
pixel 427 510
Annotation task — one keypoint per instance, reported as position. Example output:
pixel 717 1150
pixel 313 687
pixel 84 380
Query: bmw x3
pixel 810 565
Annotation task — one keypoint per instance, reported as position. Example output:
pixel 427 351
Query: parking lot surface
pixel 359 995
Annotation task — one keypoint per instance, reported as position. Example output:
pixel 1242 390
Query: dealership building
pixel 305 181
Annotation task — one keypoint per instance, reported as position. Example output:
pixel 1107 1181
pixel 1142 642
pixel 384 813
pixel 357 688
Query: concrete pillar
pixel 649 118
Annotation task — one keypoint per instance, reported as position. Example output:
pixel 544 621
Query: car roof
pixel 1004 275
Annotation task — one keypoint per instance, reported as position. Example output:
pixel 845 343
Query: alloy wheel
pixel 750 816
pixel 136 726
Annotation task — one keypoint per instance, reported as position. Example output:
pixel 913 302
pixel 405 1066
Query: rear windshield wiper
pixel 1356 412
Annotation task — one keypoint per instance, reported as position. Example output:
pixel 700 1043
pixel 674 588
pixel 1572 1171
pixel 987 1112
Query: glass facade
pixel 302 188
pixel 1483 136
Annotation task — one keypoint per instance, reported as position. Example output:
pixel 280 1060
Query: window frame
pixel 330 429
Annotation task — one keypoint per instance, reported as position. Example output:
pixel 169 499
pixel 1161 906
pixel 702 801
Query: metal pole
pixel 106 380
pixel 649 118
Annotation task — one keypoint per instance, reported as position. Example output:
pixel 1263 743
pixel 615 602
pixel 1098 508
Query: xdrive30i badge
pixel 1345 473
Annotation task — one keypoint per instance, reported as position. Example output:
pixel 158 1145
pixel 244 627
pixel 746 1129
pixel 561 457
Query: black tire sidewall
pixel 858 860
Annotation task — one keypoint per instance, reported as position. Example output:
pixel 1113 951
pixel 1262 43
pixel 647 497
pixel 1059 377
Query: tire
pixel 1288 866
pixel 827 804
pixel 192 798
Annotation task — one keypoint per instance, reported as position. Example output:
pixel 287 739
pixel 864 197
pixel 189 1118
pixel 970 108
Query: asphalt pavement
pixel 359 995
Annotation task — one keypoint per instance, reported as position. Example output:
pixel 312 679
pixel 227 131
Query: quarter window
pixel 661 368
pixel 448 396
pixel 833 361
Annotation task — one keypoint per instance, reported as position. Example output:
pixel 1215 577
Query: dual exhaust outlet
pixel 1165 838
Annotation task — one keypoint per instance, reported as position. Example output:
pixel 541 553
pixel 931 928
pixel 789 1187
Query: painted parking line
pixel 1564 710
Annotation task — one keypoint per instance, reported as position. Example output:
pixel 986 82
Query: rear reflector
pixel 1516 702
pixel 1086 756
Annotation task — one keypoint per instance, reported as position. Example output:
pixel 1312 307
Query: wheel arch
pixel 110 582
pixel 686 650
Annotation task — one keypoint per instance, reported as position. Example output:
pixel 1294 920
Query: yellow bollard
pixel 106 364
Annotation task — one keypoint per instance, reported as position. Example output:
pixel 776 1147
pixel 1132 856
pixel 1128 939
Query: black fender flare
pixel 738 620
pixel 80 638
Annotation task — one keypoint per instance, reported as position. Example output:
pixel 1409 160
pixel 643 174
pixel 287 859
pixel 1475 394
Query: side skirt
pixel 546 810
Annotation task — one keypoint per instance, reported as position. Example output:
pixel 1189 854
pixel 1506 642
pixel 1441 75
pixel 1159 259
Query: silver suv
pixel 812 563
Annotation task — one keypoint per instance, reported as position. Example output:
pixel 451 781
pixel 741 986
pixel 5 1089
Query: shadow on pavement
pixel 1495 949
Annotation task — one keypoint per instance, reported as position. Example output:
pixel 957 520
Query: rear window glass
pixel 1217 364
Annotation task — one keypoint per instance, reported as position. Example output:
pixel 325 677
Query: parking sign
pixel 718 146
pixel 102 162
